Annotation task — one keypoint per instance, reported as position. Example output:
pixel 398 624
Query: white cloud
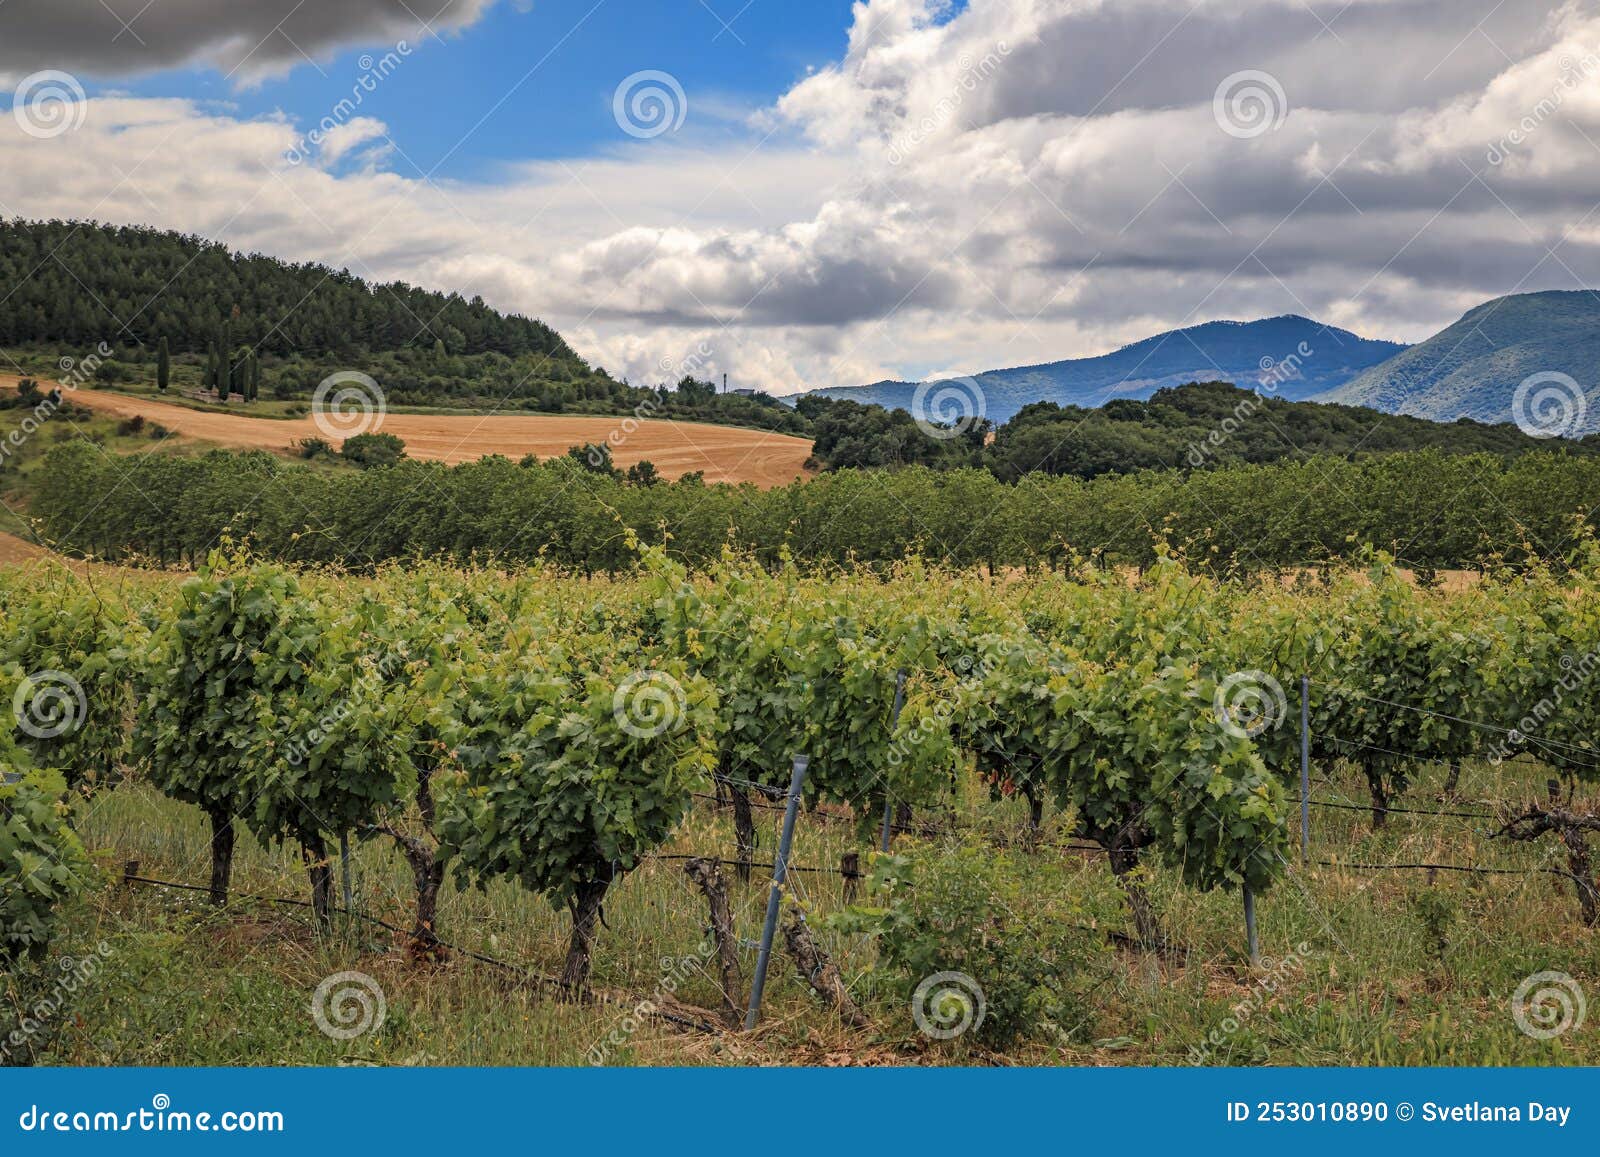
pixel 1010 183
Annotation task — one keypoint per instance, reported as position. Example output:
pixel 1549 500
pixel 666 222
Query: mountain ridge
pixel 1290 352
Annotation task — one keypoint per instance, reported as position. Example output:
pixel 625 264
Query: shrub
pixel 313 448
pixel 975 914
pixel 369 450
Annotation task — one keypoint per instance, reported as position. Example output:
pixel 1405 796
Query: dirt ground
pixel 14 550
pixel 724 453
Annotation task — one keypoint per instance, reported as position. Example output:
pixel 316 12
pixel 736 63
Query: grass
pixel 1388 967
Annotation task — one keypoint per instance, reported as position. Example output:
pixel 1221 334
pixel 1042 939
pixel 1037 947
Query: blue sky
pixel 884 189
pixel 557 66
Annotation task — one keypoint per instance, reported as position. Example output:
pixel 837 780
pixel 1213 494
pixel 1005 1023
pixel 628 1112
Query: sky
pixel 816 193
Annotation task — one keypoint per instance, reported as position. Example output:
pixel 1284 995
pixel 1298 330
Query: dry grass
pixel 1363 982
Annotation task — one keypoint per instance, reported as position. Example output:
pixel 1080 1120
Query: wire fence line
pixel 537 978
pixel 1471 868
pixel 1412 811
pixel 850 873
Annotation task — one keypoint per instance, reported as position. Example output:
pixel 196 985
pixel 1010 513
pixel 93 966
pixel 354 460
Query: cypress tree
pixel 254 390
pixel 163 366
pixel 239 374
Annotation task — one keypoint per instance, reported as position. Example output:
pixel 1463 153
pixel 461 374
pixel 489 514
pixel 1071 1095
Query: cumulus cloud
pixel 244 38
pixel 1001 183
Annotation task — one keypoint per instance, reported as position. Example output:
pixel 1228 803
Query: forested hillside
pixel 77 283
pixel 1476 366
pixel 74 285
pixel 1197 426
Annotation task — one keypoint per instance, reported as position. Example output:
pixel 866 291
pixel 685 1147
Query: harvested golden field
pixel 723 453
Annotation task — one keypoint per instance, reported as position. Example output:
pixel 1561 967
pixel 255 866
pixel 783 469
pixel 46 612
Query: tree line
pixel 1430 509
pixel 1198 426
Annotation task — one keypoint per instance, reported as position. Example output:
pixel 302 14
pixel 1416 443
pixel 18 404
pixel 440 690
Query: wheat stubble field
pixel 721 453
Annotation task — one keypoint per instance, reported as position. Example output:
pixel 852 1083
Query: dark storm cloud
pixel 118 38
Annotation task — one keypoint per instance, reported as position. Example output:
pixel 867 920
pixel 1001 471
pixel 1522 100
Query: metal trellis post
pixel 780 870
pixel 344 871
pixel 1250 928
pixel 1305 768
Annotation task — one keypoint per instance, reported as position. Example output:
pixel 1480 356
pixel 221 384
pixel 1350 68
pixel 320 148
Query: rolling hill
pixel 1315 358
pixel 71 285
pixel 1472 369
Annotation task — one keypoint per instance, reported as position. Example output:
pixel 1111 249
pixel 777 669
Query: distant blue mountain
pixel 1300 356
